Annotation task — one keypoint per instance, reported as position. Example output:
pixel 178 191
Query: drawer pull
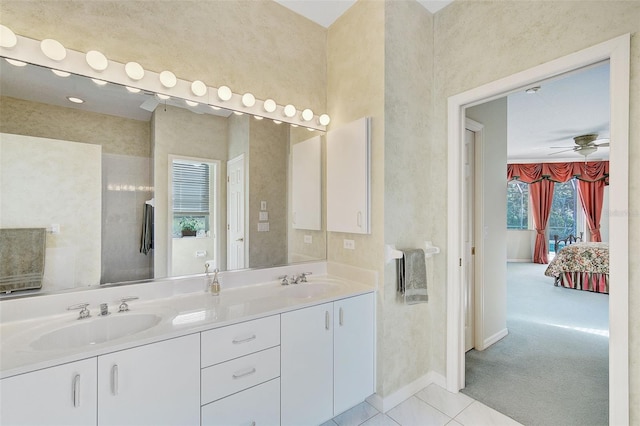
pixel 248 372
pixel 114 379
pixel 76 391
pixel 341 316
pixel 248 339
pixel 326 320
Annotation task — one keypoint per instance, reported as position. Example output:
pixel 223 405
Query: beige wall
pixel 116 135
pixel 268 160
pixel 520 244
pixel 45 182
pixel 480 42
pixel 180 132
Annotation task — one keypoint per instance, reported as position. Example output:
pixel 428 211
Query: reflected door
pixel 235 214
pixel 469 232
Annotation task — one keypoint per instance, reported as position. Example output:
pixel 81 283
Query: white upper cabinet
pixel 307 184
pixel 349 177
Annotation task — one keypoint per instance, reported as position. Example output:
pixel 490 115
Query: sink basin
pixel 307 290
pixel 93 331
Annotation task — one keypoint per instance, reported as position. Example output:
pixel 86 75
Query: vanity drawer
pixel 259 405
pixel 225 343
pixel 233 376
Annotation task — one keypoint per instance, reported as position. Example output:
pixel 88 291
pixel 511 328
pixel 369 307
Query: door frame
pixel 245 223
pixel 617 51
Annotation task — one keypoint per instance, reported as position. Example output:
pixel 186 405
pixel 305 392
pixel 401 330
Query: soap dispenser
pixel 215 285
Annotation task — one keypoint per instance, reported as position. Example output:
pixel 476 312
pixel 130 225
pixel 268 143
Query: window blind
pixel 190 187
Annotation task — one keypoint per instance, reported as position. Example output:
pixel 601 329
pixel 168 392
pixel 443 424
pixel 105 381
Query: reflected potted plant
pixel 189 226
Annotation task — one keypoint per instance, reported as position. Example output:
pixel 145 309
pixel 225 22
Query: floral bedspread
pixel 580 257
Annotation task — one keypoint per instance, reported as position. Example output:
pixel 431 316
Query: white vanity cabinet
pixel 240 382
pixel 156 384
pixel 61 395
pixel 327 359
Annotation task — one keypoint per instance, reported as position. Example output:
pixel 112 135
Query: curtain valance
pixel 591 171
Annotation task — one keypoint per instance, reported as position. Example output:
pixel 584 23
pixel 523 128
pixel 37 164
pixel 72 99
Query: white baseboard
pixel 492 339
pixel 385 404
pixel 520 260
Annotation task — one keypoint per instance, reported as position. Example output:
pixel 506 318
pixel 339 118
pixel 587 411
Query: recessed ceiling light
pixel 532 90
pixel 61 73
pixel 75 100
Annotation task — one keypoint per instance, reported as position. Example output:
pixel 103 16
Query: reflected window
pixel 192 184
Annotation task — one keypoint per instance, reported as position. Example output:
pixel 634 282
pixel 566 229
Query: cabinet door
pixel 62 395
pixel 353 340
pixel 348 177
pixel 306 371
pixel 156 384
pixel 259 405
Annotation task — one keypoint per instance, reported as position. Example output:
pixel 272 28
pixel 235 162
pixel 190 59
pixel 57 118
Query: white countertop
pixel 180 315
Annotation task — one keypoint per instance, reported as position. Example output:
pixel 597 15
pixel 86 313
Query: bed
pixel 582 266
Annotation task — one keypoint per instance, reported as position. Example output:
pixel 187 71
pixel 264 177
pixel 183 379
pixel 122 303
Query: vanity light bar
pixel 53 55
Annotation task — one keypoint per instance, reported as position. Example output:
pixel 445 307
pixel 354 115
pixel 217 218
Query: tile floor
pixel 432 406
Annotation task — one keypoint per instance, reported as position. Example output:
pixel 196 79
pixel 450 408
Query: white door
pixel 157 384
pixel 353 350
pixel 306 371
pixel 235 214
pixel 62 395
pixel 469 229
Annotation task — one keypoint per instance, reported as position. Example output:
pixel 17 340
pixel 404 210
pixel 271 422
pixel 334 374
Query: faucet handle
pixel 84 312
pixel 123 303
pixel 303 276
pixel 284 280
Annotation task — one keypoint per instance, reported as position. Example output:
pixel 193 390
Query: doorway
pixel 236 258
pixel 617 52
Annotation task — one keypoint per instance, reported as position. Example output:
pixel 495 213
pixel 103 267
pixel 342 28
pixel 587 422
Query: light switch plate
pixel 263 205
pixel 308 239
pixel 262 216
pixel 349 244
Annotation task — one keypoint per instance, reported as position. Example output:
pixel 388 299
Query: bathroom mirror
pixel 99 176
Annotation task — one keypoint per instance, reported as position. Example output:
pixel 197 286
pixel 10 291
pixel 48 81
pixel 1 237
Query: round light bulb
pixel 75 100
pixel 224 93
pixel 190 103
pixel 133 89
pixel 238 112
pixel 307 115
pixel 289 111
pixel 277 121
pixel 134 70
pixel 198 88
pixel 168 79
pixel 16 63
pixel 324 119
pixel 270 105
pixel 61 73
pixel 53 49
pixel 8 39
pixel 163 97
pixel 248 100
pixel 215 108
pixel 99 82
pixel 97 60
pixel 257 117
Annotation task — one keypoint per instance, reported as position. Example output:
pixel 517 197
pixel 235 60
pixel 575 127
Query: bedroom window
pixel 517 205
pixel 565 211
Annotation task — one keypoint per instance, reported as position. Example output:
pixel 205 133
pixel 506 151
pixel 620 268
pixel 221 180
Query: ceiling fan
pixel 585 145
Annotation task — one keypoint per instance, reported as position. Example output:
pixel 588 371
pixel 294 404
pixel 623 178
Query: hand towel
pixel 412 276
pixel 22 252
pixel 146 240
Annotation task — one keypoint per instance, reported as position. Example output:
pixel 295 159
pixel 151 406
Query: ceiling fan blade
pixel 561 147
pixel 566 150
pixel 602 144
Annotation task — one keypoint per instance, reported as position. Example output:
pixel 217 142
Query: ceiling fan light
pixel 588 150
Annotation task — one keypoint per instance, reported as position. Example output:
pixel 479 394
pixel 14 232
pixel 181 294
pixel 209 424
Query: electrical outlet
pixel 262 216
pixel 349 244
pixel 308 239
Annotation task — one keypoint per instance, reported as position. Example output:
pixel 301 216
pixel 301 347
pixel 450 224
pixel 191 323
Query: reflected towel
pixel 146 241
pixel 22 252
pixel 412 276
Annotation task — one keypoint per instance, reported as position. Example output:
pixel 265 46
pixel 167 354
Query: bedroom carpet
pixel 552 367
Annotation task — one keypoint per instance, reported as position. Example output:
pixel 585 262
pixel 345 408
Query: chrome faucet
pixel 123 303
pixel 303 276
pixel 84 312
pixel 285 280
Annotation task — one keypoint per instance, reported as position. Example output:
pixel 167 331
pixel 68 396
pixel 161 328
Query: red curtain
pixel 541 193
pixel 592 177
pixel 591 198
